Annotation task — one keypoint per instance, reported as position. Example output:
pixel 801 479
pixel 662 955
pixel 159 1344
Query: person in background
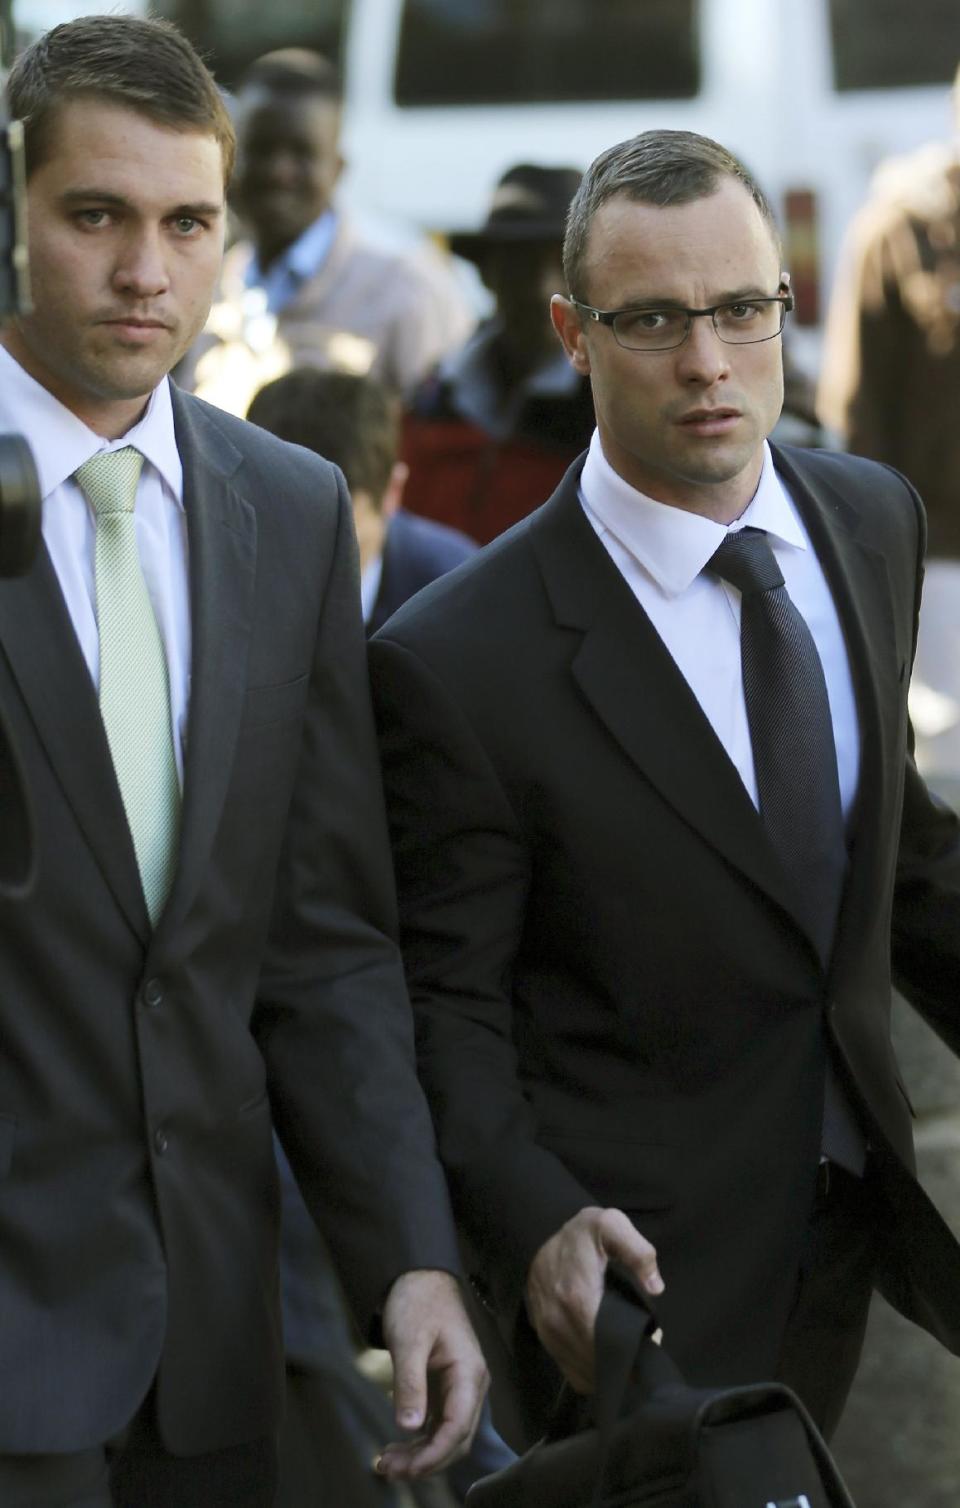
pixel 354 422
pixel 889 389
pixel 659 840
pixel 334 1414
pixel 498 422
pixel 208 951
pixel 308 286
pixel 890 372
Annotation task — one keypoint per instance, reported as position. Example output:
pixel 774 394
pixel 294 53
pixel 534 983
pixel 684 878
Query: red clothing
pixel 484 450
pixel 461 476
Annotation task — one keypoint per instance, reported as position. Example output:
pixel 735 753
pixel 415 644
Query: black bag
pixel 658 1443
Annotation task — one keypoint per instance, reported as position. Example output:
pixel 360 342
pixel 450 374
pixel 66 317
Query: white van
pixel 443 95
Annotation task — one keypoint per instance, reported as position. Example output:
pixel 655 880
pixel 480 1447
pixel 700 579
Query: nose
pixel 703 358
pixel 141 267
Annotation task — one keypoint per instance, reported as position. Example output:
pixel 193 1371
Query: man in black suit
pixel 355 422
pixel 657 831
pixel 209 946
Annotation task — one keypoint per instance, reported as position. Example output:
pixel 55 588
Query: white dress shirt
pixel 60 443
pixel 370 579
pixel 661 551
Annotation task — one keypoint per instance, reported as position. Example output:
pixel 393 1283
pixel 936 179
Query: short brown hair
pixel 656 167
pixel 146 65
pixel 352 421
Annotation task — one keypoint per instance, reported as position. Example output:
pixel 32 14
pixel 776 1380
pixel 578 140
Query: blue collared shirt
pixel 301 261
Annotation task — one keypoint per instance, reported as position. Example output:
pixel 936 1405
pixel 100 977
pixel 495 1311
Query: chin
pixel 119 386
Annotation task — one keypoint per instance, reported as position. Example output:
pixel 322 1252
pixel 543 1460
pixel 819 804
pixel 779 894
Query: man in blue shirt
pixel 308 287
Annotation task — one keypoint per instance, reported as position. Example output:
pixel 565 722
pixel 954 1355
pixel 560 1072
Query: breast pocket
pixel 275 703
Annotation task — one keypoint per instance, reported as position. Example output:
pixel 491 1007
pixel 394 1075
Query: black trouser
pixel 824 1336
pixel 136 1471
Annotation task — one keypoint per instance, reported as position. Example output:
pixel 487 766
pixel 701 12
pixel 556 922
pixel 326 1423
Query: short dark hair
pixel 146 65
pixel 657 167
pixel 353 421
pixel 295 70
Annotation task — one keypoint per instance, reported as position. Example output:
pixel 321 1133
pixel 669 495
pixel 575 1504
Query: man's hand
pixel 565 1285
pixel 439 1375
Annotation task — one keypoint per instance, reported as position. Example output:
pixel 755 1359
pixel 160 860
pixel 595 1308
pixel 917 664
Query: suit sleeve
pixel 463 864
pixel 925 930
pixel 333 1019
pixel 926 914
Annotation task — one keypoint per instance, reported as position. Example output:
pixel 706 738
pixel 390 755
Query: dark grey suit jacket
pixel 618 1000
pixel 139 1073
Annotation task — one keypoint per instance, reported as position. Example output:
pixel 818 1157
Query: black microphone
pixel 20 511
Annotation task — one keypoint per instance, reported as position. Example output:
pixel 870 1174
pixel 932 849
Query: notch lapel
pixel 40 644
pixel 632 682
pixel 222 533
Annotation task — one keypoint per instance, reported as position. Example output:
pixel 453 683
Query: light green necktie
pixel 134 690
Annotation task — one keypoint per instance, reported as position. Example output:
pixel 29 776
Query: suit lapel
pixel 222 532
pixel 633 684
pixel 41 646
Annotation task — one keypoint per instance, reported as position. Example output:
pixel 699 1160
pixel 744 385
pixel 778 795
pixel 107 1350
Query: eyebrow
pixel 734 296
pixel 203 209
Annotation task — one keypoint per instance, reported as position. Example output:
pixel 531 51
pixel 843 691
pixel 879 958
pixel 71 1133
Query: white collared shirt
pixel 370 579
pixel 661 551
pixel 60 443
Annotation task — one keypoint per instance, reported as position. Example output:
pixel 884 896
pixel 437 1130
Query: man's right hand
pixel 565 1285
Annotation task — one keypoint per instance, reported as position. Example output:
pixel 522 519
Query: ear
pixel 393 497
pixel 566 322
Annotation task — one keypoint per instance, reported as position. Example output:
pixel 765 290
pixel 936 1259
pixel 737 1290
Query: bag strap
pixel 628 1364
pixel 630 1368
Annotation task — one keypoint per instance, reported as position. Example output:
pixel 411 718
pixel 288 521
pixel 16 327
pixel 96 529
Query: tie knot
pixel 746 560
pixel 110 479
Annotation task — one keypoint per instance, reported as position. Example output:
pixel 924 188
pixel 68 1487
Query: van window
pixel 500 52
pixel 885 44
pixel 234 32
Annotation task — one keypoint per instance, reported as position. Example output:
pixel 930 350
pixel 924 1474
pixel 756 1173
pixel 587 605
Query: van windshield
pixel 496 52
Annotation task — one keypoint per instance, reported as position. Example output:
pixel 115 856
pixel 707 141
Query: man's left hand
pixel 439 1375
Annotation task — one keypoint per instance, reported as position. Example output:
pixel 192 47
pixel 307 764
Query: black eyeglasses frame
pixel 608 316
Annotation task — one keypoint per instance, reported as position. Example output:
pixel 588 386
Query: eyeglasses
pixel 744 322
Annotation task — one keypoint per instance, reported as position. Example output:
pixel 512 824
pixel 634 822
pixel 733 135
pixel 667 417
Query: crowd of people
pixel 472 786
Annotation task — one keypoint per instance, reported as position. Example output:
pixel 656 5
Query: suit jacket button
pixel 161 1141
pixel 152 993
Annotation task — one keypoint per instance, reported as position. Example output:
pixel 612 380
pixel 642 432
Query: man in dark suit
pixel 209 946
pixel 354 422
pixel 658 831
